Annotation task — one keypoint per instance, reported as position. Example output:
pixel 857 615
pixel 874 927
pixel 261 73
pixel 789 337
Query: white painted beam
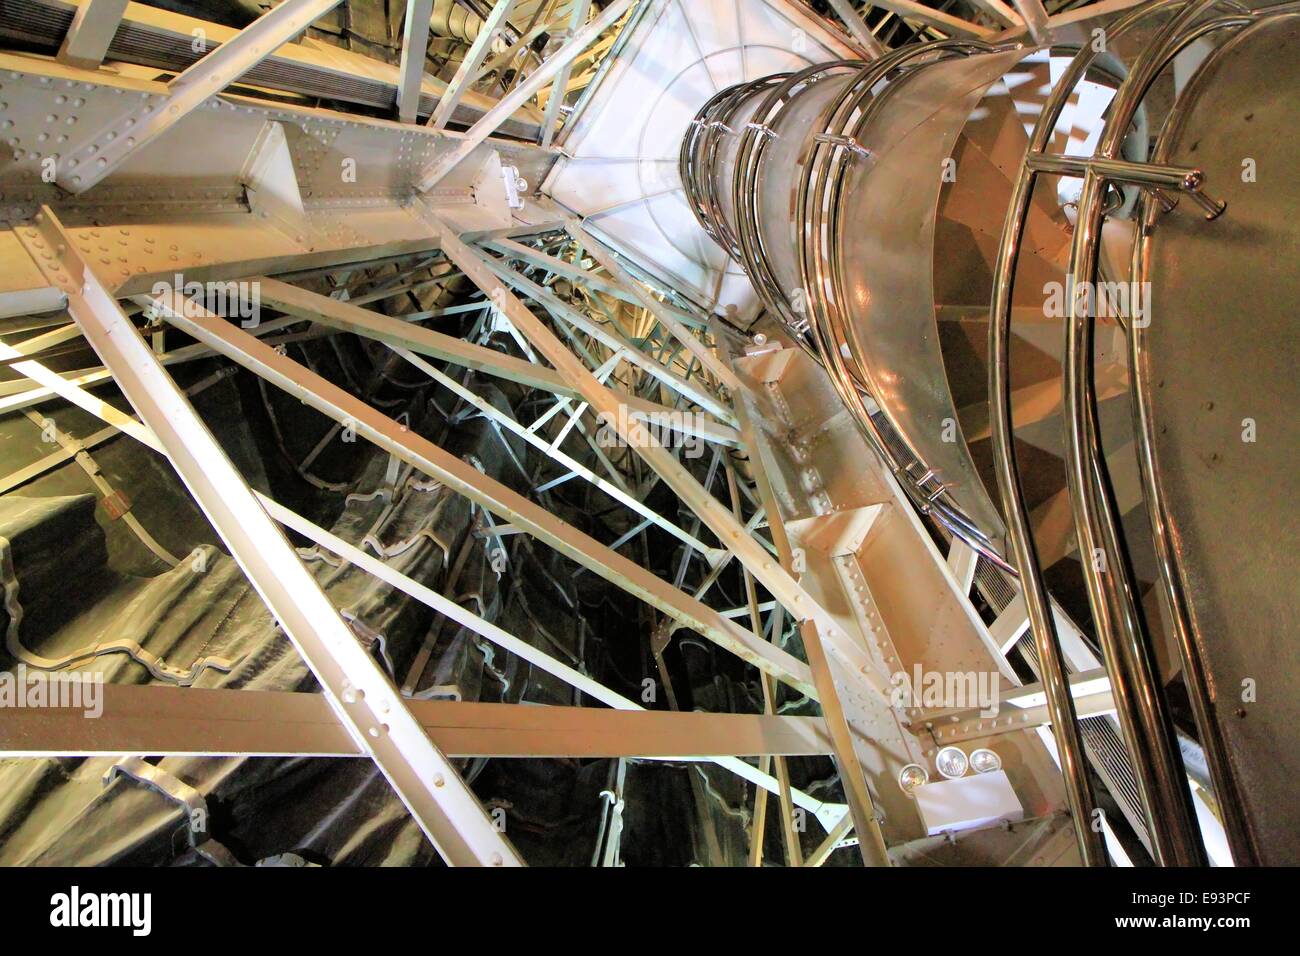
pixel 415 44
pixel 93 27
pixel 107 149
pixel 362 697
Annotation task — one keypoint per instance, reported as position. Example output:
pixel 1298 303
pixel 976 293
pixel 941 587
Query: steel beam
pixel 858 28
pixel 853 778
pixel 536 257
pixel 415 43
pixel 577 18
pixel 711 511
pixel 397 333
pixel 552 451
pixel 826 813
pixel 612 341
pixel 108 148
pixel 706 356
pixel 436 171
pixel 163 721
pixel 944 22
pixel 121 423
pixel 463 478
pixel 1035 20
pixel 93 27
pixel 1000 11
pixel 468 69
pixel 818 625
pixel 359 692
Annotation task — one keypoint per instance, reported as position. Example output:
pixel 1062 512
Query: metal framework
pixel 621 349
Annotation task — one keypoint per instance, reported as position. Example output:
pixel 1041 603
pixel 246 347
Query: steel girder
pixel 358 691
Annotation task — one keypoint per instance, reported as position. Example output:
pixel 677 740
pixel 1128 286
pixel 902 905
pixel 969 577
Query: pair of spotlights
pixel 951 762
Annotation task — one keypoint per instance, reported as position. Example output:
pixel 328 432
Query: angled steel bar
pixel 410 73
pixel 436 171
pixel 706 356
pixel 504 62
pixel 818 625
pixel 616 49
pixel 790 839
pixel 399 333
pixel 468 69
pixel 611 340
pixel 393 437
pixel 559 267
pixel 552 450
pixel 944 22
pixel 111 147
pixel 1035 20
pixel 23 393
pixel 577 18
pixel 608 403
pixel 1000 11
pixel 93 27
pixel 358 690
pixel 857 27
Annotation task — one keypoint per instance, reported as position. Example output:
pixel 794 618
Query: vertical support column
pixel 793 851
pixel 862 809
pixel 415 43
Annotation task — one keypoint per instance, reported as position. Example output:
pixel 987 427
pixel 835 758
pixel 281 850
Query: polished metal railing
pixel 1121 627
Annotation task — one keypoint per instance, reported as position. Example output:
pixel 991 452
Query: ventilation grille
pixel 1106 752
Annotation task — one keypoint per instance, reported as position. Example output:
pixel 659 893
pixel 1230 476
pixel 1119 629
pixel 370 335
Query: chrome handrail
pixel 745 243
pixel 1108 573
pixel 1240 838
pixel 1117 614
pixel 1060 701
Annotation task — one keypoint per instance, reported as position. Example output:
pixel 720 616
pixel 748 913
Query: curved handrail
pixel 1111 585
pixel 1060 701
